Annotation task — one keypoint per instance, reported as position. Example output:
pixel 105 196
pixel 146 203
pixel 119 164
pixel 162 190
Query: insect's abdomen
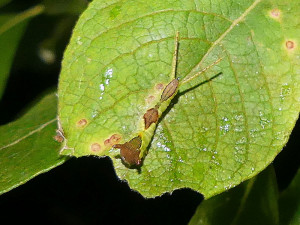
pixel 146 136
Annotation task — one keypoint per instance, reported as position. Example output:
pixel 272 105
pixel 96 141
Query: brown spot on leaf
pixel 114 139
pixel 150 99
pixel 151 116
pixel 275 13
pixel 170 90
pixel 107 142
pixel 159 87
pixel 130 151
pixel 59 137
pixel 290 45
pixel 95 147
pixel 82 123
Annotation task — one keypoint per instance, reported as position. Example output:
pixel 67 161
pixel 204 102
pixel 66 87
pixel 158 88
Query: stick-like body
pixel 147 125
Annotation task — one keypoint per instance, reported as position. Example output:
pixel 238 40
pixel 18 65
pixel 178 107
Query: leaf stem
pixel 34 11
pixel 244 199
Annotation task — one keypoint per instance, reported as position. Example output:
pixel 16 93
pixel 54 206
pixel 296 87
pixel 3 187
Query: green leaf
pixel 4 2
pixel 219 130
pixel 252 202
pixel 55 7
pixel 289 203
pixel 12 27
pixel 27 147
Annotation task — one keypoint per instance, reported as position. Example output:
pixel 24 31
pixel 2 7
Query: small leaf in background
pixel 12 27
pixel 252 202
pixel 215 135
pixel 27 147
pixel 48 48
pixel 54 7
pixel 4 2
pixel 289 203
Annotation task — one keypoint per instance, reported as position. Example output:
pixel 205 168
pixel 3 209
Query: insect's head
pixel 130 151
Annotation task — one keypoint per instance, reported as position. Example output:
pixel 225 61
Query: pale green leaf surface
pixel 252 202
pixel 27 147
pixel 12 27
pixel 289 203
pixel 214 136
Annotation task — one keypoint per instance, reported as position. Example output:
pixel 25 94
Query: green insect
pixel 134 151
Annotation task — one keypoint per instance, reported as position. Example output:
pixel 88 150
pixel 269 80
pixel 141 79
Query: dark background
pixel 86 190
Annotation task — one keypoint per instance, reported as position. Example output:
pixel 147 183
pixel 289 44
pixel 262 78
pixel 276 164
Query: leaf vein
pixel 29 134
pixel 215 43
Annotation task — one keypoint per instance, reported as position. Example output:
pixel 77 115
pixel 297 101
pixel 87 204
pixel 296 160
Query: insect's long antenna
pixel 175 56
pixel 186 80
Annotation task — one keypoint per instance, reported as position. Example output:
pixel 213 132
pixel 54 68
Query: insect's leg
pixel 188 79
pixel 175 56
